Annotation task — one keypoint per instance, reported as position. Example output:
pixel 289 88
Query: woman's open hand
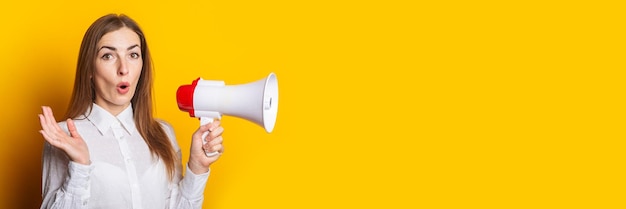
pixel 73 145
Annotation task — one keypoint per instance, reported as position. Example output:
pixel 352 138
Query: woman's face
pixel 118 66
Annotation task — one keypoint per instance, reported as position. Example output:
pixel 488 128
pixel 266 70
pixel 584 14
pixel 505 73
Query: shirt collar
pixel 103 120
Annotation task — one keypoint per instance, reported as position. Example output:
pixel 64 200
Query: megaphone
pixel 210 99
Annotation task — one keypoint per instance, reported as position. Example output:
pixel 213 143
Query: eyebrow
pixel 114 49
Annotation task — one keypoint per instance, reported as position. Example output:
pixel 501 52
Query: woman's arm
pixel 65 184
pixel 66 166
pixel 188 192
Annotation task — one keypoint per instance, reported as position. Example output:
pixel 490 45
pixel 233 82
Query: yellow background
pixel 383 104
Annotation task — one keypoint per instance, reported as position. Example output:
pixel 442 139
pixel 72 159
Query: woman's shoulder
pixel 166 126
pixel 77 121
pixel 169 130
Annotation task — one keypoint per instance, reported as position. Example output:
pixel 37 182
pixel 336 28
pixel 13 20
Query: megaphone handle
pixel 204 121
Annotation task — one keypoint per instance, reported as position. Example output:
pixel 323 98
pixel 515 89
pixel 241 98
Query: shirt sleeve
pixel 65 184
pixel 186 192
pixel 193 184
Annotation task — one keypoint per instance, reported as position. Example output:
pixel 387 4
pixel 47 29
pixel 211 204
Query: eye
pixel 135 55
pixel 107 56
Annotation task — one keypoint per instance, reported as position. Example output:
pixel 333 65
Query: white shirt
pixel 122 174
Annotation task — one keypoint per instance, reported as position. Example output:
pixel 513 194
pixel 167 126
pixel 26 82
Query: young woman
pixel 111 152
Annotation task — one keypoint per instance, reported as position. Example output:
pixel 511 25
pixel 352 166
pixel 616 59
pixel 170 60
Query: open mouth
pixel 123 87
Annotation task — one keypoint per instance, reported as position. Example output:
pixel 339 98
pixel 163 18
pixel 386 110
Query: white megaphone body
pixel 208 99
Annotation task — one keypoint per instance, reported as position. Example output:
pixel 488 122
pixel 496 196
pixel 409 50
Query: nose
pixel 123 68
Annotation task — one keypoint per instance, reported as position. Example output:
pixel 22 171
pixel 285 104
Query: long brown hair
pixel 84 95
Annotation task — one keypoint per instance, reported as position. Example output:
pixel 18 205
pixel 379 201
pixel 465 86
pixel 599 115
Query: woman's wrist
pixel 197 168
pixel 82 161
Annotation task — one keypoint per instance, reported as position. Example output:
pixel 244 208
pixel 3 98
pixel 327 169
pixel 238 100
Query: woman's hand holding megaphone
pixel 199 162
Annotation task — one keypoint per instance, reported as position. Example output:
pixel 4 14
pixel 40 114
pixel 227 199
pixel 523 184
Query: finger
pixel 50 120
pixel 54 122
pixel 50 125
pixel 72 128
pixel 42 120
pixel 206 146
pixel 217 148
pixel 46 127
pixel 48 138
pixel 200 131
pixel 47 112
pixel 215 141
pixel 45 135
pixel 214 125
pixel 212 148
pixel 216 132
